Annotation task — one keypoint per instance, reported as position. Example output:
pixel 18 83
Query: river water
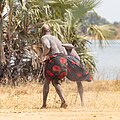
pixel 107 60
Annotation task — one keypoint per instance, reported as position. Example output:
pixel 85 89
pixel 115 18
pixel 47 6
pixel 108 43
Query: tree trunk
pixel 2 55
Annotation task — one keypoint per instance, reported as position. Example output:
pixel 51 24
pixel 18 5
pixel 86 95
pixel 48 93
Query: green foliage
pixel 86 58
pixel 102 32
pixel 93 18
pixel 64 16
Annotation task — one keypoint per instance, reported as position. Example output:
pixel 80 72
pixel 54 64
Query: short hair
pixel 45 28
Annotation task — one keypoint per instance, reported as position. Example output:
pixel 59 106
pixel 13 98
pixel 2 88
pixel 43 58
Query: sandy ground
pixel 61 115
pixel 22 103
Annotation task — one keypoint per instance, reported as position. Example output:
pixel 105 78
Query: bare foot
pixel 43 107
pixel 82 104
pixel 64 105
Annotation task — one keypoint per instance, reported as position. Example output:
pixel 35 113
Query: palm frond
pixel 101 33
pixel 82 8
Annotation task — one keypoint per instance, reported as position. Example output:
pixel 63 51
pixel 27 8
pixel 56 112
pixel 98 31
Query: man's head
pixel 45 29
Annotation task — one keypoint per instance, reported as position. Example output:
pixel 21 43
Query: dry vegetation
pixel 100 97
pixel 118 33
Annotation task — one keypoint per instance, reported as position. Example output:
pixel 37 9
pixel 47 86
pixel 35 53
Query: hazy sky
pixel 109 9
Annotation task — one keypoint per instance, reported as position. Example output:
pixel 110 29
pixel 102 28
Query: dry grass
pixel 99 96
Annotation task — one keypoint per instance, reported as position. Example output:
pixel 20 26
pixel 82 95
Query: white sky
pixel 110 10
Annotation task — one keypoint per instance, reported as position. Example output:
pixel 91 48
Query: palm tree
pixel 26 17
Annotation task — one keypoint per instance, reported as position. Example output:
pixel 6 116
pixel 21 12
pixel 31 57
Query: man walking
pixel 55 68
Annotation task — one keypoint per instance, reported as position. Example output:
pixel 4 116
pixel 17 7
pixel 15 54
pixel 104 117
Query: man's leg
pixel 45 92
pixel 58 89
pixel 80 90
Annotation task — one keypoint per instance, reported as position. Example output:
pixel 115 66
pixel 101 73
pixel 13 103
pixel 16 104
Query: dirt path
pixel 22 103
pixel 63 115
